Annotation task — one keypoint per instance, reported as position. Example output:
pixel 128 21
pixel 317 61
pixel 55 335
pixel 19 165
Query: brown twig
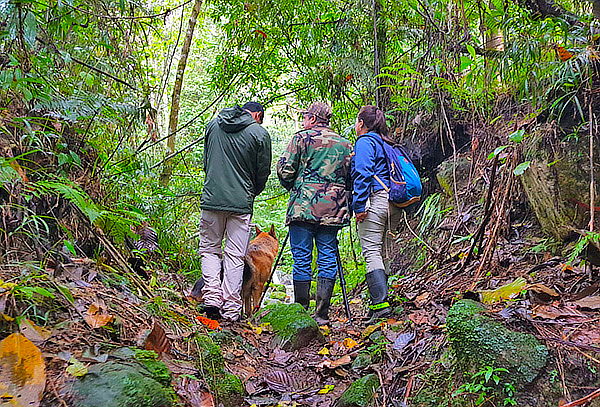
pixel 487 212
pixel 583 400
pixel 409 385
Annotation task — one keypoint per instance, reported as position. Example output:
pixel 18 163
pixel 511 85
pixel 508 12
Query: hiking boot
pixel 302 293
pixel 324 291
pixel 378 289
pixel 212 312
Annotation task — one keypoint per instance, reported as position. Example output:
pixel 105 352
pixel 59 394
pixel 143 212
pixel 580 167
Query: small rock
pixel 293 327
pixel 360 393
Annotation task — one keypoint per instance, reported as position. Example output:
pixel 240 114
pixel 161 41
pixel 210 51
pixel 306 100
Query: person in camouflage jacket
pixel 315 168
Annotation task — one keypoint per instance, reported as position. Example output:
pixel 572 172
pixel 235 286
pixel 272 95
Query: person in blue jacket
pixel 375 216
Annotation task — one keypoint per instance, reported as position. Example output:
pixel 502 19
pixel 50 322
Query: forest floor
pixel 101 311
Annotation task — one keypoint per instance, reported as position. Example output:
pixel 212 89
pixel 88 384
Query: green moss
pixel 278 295
pixel 210 360
pixel 277 287
pixel 438 385
pixel 158 370
pixel 363 360
pixel 479 341
pixel 229 389
pixel 293 327
pixel 360 393
pixel 119 385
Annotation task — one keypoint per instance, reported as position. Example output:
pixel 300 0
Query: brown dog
pixel 257 267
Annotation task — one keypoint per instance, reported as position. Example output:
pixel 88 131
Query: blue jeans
pixel 302 235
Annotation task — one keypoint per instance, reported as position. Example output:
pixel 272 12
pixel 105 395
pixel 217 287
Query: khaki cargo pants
pixel 374 232
pixel 235 229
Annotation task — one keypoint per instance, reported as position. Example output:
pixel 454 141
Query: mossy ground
pixel 227 387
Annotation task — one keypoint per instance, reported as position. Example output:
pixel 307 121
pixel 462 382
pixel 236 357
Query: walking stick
pixel 342 281
pixel 262 296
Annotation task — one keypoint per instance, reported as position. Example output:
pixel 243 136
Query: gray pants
pixel 374 232
pixel 235 228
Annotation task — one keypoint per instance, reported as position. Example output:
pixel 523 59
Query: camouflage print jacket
pixel 315 168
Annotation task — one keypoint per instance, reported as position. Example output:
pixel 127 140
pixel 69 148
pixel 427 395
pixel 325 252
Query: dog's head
pixel 267 238
pixel 271 232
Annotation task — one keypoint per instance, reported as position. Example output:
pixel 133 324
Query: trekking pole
pixel 342 281
pixel 262 296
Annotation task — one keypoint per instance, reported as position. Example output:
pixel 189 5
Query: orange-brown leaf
pixel 563 53
pixel 22 372
pixel 209 323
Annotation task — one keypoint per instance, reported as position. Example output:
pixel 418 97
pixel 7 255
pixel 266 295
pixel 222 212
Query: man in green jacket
pixel 237 163
pixel 315 169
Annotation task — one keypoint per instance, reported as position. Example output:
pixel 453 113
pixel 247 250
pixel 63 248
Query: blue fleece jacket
pixel 368 160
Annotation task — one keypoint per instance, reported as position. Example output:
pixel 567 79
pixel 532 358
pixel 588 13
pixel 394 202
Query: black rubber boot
pixel 324 291
pixel 378 289
pixel 212 312
pixel 302 293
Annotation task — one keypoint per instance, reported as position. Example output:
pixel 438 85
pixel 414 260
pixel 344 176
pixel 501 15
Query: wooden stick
pixel 583 400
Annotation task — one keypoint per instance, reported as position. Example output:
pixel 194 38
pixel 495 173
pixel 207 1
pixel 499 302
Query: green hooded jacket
pixel 237 161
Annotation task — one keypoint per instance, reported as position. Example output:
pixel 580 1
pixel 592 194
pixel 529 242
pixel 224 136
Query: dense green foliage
pixel 86 85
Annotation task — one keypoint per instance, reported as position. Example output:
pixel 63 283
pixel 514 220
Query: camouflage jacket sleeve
pixel 288 164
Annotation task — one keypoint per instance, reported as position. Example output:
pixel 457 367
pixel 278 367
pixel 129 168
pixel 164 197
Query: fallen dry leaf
pixel 333 364
pixel 96 315
pixel 22 372
pixel 592 302
pixel 419 317
pixel 323 351
pixel 157 340
pixel 544 290
pixel 505 292
pixel 33 332
pixel 349 343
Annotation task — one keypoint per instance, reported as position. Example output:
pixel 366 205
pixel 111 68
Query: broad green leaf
pixel 521 168
pixel 517 136
pixel 497 151
pixel 70 247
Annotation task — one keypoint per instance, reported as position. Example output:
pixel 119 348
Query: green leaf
pixel 30 29
pixel 38 290
pixel 70 247
pixel 63 159
pixel 471 51
pixel 517 136
pixel 75 158
pixel 66 293
pixel 76 368
pixel 521 168
pixel 497 151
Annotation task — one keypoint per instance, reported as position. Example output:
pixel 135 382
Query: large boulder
pixel 360 393
pixel 480 341
pixel 292 325
pixel 119 384
pixel 557 182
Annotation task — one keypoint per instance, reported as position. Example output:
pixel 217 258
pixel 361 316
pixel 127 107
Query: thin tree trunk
pixel 174 115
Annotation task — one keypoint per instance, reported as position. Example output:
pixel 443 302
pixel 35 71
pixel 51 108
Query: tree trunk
pixel 174 115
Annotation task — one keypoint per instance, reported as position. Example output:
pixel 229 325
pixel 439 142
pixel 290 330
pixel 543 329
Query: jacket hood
pixel 234 119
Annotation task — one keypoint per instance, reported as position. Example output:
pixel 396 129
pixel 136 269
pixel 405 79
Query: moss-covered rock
pixel 293 327
pixel 479 341
pixel 116 384
pixel 362 361
pixel 157 369
pixel 360 393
